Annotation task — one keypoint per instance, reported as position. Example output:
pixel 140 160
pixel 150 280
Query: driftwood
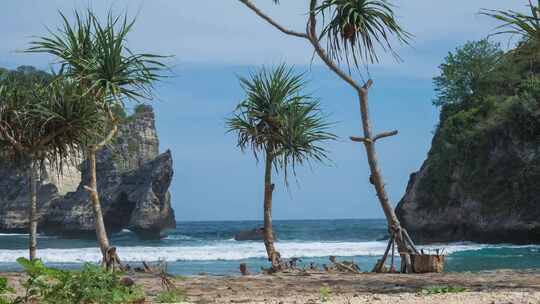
pixel 147 268
pixel 111 261
pixel 379 266
pixel 160 270
pixel 345 266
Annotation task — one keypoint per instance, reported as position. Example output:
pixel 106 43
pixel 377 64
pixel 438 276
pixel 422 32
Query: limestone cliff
pixel 133 181
pixel 484 187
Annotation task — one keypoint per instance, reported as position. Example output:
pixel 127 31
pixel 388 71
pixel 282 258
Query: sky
pixel 213 42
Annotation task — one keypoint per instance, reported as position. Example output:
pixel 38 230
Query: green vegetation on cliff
pixel 489 103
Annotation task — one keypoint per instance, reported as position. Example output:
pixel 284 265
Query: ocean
pixel 209 248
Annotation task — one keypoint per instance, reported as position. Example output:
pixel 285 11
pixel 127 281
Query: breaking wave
pixel 223 251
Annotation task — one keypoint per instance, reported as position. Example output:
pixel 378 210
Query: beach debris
pixel 166 277
pixel 293 263
pixel 147 268
pixel 244 270
pixel 110 260
pixel 160 270
pixel 344 266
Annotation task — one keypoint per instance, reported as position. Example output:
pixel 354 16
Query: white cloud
pixel 226 32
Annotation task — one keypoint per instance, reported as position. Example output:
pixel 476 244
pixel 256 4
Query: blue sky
pixel 214 41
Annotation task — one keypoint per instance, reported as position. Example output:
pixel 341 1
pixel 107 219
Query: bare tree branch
pixel 385 134
pixel 271 21
pixel 360 139
pixel 375 138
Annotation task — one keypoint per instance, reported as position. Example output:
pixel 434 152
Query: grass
pixel 171 296
pixel 442 290
pixel 325 294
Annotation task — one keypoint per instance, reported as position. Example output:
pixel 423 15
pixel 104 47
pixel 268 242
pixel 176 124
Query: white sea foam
pixel 221 251
pixel 18 235
pixel 178 237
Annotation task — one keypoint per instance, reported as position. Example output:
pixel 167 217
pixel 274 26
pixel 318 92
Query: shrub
pixel 92 284
pixel 4 289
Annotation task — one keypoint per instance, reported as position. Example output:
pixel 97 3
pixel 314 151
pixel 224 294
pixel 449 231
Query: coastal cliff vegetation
pixel 485 95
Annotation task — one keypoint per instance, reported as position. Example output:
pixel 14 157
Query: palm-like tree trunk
pixel 273 255
pixel 33 178
pixel 101 232
pixel 110 258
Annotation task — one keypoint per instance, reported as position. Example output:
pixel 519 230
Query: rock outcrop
pixel 133 181
pixel 489 192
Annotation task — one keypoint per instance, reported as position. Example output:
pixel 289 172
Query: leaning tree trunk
pixel 273 255
pixel 399 234
pixel 101 232
pixel 110 258
pixel 33 178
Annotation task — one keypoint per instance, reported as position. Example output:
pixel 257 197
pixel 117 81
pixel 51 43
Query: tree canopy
pixel 468 72
pixel 48 119
pixel 279 120
pixel 96 54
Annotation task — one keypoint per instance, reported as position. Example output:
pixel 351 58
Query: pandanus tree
pixel 43 123
pixel 95 55
pixel 352 33
pixel 281 125
pixel 525 26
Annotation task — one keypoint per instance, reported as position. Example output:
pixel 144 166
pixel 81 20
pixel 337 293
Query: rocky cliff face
pixel 485 191
pixel 133 181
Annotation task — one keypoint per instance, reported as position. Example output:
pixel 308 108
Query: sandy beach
pixel 502 287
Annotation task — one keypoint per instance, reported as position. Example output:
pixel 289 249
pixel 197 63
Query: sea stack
pixel 133 181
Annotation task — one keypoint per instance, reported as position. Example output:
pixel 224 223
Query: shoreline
pixel 501 286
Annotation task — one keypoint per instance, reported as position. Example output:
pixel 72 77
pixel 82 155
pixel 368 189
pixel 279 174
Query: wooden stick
pixel 383 260
pixel 409 240
pixel 392 258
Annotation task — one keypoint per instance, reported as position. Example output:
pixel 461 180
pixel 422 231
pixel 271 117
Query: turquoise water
pixel 209 247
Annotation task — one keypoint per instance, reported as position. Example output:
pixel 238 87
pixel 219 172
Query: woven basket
pixel 427 263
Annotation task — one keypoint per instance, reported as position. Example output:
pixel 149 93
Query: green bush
pixel 530 87
pixel 5 289
pixel 92 284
